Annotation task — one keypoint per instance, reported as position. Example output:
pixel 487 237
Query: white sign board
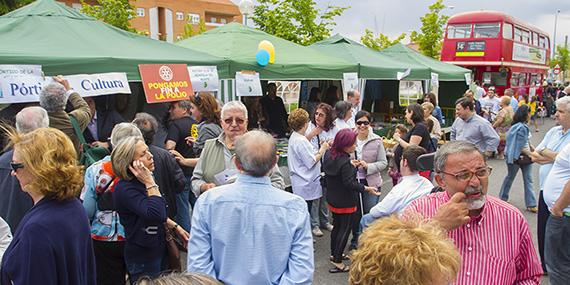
pixel 20 83
pixel 88 85
pixel 248 84
pixel 349 82
pixel 434 80
pixel 529 54
pixel 204 78
pixel 402 75
pixel 468 78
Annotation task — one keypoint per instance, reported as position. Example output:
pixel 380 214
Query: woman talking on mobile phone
pixel 141 208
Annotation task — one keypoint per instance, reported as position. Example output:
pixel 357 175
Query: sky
pixel 400 16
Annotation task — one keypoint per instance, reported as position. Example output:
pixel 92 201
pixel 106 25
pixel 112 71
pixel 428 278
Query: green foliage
pixel 562 58
pixel 11 5
pixel 381 42
pixel 298 21
pixel 117 13
pixel 189 30
pixel 430 37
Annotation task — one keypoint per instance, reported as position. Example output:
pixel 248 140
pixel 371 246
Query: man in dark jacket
pixel 99 129
pixel 54 97
pixel 168 174
pixel 14 202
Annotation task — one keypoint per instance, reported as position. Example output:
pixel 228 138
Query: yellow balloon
pixel 268 46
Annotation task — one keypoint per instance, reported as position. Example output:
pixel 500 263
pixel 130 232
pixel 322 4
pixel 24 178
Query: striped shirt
pixel 496 247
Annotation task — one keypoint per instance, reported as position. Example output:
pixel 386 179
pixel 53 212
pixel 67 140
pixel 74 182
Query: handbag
pixel 523 160
pixel 88 154
pixel 173 257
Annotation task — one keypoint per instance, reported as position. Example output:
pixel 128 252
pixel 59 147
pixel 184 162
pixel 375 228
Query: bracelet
pixel 151 186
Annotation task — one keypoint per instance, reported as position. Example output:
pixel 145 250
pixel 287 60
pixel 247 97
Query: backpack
pixel 87 154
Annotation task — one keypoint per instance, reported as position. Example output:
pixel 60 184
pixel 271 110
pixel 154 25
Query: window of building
pixel 140 12
pixel 77 6
pixel 507 31
pixel 459 31
pixel 486 30
pixel 223 21
pixel 213 20
pixel 179 16
pixel 194 18
pixel 494 79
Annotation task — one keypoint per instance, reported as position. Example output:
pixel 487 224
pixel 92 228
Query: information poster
pixel 165 82
pixel 349 82
pixel 204 78
pixel 88 85
pixel 248 84
pixel 20 83
pixel 410 92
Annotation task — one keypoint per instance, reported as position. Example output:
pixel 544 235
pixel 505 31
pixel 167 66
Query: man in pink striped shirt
pixel 492 236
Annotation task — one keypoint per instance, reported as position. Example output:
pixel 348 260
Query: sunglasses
pixel 238 121
pixel 360 123
pixel 15 166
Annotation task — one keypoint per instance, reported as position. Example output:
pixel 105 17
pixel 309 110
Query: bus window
pixel 507 31
pixel 494 79
pixel 459 31
pixel 518 79
pixel 534 39
pixel 542 42
pixel 486 30
pixel 535 78
pixel 518 34
pixel 525 36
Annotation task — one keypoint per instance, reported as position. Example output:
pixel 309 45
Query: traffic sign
pixel 557 69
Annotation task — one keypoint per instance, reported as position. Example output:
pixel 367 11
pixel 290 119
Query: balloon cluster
pixel 265 53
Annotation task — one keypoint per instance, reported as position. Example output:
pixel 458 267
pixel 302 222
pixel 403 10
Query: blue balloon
pixel 262 57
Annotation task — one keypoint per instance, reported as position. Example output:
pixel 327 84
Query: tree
pixel 189 30
pixel 431 35
pixel 298 21
pixel 10 5
pixel 381 42
pixel 117 13
pixel 562 58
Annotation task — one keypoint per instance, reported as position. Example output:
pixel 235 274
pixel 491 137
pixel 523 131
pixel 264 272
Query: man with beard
pixel 492 236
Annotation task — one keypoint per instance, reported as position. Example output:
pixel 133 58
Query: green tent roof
pixel 372 64
pixel 65 41
pixel 446 71
pixel 238 43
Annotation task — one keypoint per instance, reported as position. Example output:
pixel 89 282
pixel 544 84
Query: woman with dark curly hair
pixel 52 244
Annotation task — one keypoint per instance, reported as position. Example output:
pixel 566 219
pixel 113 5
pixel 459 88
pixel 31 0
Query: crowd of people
pixel 213 189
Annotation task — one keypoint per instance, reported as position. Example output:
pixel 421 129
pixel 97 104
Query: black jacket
pixel 169 177
pixel 342 186
pixel 106 121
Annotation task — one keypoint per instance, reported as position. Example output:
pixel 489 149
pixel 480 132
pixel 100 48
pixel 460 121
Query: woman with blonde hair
pixel 181 279
pixel 52 244
pixel 141 208
pixel 411 252
pixel 502 124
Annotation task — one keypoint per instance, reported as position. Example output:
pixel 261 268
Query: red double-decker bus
pixel 500 50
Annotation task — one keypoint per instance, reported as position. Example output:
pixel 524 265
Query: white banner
pixel 468 78
pixel 204 78
pixel 349 82
pixel 88 85
pixel 248 84
pixel 402 75
pixel 434 80
pixel 528 54
pixel 20 83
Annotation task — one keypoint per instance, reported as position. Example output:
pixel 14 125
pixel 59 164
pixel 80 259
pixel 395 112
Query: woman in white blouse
pixel 304 163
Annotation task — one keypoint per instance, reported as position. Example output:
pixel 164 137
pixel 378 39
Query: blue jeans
pixel 319 211
pixel 138 269
pixel 183 206
pixel 512 170
pixel 556 249
pixel 368 201
pixel 366 221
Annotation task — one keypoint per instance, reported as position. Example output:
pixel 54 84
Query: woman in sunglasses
pixel 370 159
pixel 52 244
pixel 215 166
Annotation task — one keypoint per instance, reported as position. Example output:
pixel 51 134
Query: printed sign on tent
pixel 248 84
pixel 434 80
pixel 20 83
pixel 165 82
pixel 468 78
pixel 88 85
pixel 349 82
pixel 204 78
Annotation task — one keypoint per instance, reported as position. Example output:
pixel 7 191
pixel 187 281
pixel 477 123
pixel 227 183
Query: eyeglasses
pixel 238 121
pixel 360 123
pixel 318 114
pixel 467 175
pixel 15 166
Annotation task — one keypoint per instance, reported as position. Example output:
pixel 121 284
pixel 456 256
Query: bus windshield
pixel 459 31
pixel 486 30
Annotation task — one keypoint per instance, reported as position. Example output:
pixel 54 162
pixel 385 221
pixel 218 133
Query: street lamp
pixel 554 38
pixel 246 8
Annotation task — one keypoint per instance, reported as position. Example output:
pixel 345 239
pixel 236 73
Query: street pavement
pixel 322 245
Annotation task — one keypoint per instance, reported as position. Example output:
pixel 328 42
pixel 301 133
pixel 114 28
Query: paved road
pixel 322 245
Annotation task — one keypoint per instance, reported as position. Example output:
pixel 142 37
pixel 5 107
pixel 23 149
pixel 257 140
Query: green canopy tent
pixel 65 41
pixel 371 64
pixel 238 44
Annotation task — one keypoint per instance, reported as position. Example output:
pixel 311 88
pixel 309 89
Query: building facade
pixel 166 19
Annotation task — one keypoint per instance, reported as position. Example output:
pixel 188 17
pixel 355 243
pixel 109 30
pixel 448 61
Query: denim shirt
pixel 517 139
pixel 105 225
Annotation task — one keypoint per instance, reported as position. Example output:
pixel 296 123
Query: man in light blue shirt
pixel 545 154
pixel 249 232
pixel 411 187
pixel 472 128
pixel 514 102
